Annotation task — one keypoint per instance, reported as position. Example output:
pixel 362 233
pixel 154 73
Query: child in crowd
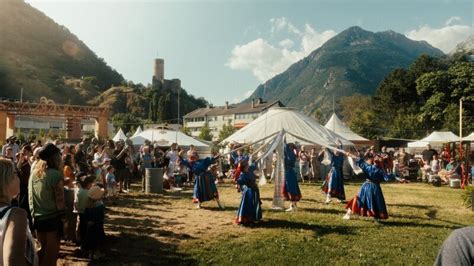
pixel 98 173
pixel 80 203
pixel 435 164
pixel 94 215
pixel 111 182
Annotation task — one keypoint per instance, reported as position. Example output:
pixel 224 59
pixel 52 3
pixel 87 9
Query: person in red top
pixel 445 156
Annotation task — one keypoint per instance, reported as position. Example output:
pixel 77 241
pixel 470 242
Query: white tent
pixel 298 128
pixel 119 136
pixel 138 131
pixel 417 144
pixel 441 137
pixel 166 137
pixel 469 138
pixel 336 125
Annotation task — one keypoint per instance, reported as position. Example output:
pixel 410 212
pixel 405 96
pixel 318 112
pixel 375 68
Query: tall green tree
pixel 227 130
pixel 186 130
pixel 205 132
pixel 125 121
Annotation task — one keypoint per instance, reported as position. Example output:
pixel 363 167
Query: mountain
pixel 45 59
pixel 465 47
pixel 354 61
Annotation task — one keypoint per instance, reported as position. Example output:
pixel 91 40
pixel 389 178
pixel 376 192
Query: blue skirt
pixel 369 201
pixel 205 188
pixel 290 189
pixel 334 184
pixel 250 209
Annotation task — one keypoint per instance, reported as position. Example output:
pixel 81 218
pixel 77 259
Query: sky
pixel 222 50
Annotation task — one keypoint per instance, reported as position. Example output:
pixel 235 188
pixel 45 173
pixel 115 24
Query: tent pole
pixel 250 144
pixel 309 141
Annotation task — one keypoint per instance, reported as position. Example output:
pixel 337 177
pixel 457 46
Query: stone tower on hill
pixel 159 71
pixel 159 81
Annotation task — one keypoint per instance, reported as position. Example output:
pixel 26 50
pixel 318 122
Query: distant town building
pixel 238 115
pixel 54 126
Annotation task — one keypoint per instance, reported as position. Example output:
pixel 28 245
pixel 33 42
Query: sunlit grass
pixel 169 230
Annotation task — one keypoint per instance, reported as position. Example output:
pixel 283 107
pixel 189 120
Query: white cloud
pixel 451 20
pixel 445 38
pixel 279 24
pixel 286 43
pixel 312 39
pixel 262 58
pixel 265 60
pixel 245 96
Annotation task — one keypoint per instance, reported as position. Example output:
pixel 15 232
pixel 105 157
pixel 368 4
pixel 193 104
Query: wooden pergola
pixel 48 108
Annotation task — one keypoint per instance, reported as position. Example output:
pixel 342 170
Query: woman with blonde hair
pixel 46 198
pixel 15 237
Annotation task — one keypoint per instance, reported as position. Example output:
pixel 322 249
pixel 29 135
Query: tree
pixel 186 130
pixel 41 133
pixel 125 121
pixel 363 123
pixel 20 136
pixel 205 132
pixel 226 131
pixel 352 104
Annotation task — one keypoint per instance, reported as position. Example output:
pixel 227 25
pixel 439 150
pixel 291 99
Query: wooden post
pixel 101 127
pixel 73 131
pixel 10 125
pixel 3 127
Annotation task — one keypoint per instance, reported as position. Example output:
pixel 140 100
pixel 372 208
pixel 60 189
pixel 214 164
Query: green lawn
pixel 169 230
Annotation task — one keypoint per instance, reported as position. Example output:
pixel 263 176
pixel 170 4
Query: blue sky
pixel 222 50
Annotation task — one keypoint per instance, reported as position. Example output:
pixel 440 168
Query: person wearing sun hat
pixel 94 215
pixel 46 200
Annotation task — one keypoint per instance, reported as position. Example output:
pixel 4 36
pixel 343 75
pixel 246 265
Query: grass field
pixel 167 229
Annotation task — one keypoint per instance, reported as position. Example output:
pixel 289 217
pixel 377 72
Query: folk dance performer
pixel 333 186
pixel 370 201
pixel 250 210
pixel 205 188
pixel 237 158
pixel 290 190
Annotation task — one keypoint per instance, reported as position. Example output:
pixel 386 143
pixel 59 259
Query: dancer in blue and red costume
pixel 333 186
pixel 250 210
pixel 237 158
pixel 205 188
pixel 290 189
pixel 370 200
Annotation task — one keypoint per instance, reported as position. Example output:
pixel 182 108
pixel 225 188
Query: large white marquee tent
pixel 297 126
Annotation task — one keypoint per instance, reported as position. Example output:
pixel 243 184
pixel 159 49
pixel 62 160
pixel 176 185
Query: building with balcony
pixel 238 115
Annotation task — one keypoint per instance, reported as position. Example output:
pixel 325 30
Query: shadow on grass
pixel 319 230
pixel 426 207
pixel 130 249
pixel 416 224
pixel 129 214
pixel 216 208
pixel 325 211
pixel 138 243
